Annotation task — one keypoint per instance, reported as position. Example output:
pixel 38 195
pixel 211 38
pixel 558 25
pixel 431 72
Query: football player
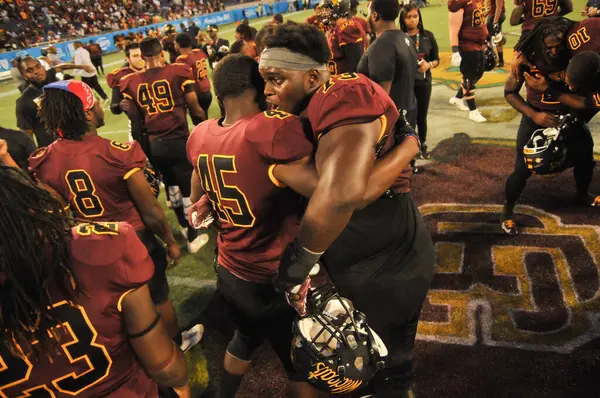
pixel 362 22
pixel 545 49
pixel 527 13
pixel 79 293
pixel 380 254
pixel 315 20
pixel 198 62
pixel 103 180
pixel 257 155
pixel 467 38
pixel 135 63
pixel 495 18
pixel 346 37
pixel 162 94
pixel 168 42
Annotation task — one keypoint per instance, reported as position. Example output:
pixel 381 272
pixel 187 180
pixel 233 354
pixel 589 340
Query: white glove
pixel 223 49
pixel 456 59
pixel 210 50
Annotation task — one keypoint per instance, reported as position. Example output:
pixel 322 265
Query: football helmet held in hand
pixel 334 347
pixel 332 10
pixel 546 150
pixel 491 59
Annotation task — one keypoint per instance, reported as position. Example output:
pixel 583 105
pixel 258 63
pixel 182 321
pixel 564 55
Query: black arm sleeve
pixel 435 51
pixel 115 102
pixel 352 54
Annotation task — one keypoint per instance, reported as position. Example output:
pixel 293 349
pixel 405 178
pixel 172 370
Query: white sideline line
pixel 191 282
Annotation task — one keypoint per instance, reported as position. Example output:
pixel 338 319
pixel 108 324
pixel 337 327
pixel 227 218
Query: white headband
pixel 283 58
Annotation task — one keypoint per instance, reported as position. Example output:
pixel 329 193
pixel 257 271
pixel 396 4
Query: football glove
pixel 296 297
pixel 200 214
pixel 456 60
pixel 496 29
pixel 210 51
pixel 404 130
pixel 295 266
pixel 223 49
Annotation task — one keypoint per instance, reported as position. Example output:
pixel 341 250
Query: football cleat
pixel 509 227
pixel 459 103
pixel 477 117
pixel 191 337
pixel 595 202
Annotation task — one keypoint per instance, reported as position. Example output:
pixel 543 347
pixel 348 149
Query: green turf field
pixel 192 281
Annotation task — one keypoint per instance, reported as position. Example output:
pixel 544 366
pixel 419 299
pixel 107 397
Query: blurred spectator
pixel 16 76
pixel 277 19
pixel 96 56
pixel 215 47
pixel 82 57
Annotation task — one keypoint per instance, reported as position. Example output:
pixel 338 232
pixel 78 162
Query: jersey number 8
pixel 84 193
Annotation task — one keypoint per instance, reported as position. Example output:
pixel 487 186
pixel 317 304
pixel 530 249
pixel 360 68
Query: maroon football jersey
pixel 353 98
pixel 91 175
pixel 159 94
pixel 257 215
pixel 346 33
pixel 198 61
pixel 533 10
pixel 545 102
pixel 113 79
pixel 95 357
pixel 585 36
pixel 473 31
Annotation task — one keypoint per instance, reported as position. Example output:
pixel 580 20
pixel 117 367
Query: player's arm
pixel 500 4
pixel 196 187
pixel 68 66
pixel 191 99
pixel 566 7
pixel 5 157
pixel 162 360
pixel 352 53
pixel 115 101
pixel 152 214
pixel 514 98
pixel 516 16
pixel 455 19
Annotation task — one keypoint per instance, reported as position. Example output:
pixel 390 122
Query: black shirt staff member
pixel 27 118
pixel 428 55
pixel 391 60
pixel 215 47
pixel 20 146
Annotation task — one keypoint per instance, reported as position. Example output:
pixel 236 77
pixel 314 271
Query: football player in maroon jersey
pixel 135 63
pixel 198 61
pixel 162 94
pixel 346 36
pixel 545 53
pixel 530 12
pixel 103 180
pixel 77 317
pixel 379 254
pixel 467 38
pixel 496 14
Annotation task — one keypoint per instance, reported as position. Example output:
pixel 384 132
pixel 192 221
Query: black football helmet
pixel 153 179
pixel 491 59
pixel 546 151
pixel 333 347
pixel 332 10
pixel 169 28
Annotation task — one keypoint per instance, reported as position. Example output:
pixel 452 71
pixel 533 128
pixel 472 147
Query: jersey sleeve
pixel 37 159
pixel 182 74
pixel 113 78
pixel 455 5
pixel 125 158
pixel 343 105
pixel 350 33
pixel 286 142
pixel 593 101
pixel 127 85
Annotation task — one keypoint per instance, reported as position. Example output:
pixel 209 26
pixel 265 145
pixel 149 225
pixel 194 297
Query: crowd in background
pixel 25 23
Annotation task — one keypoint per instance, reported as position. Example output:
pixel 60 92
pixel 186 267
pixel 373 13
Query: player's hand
pixel 584 12
pixel 89 68
pixel 200 214
pixel 3 148
pixel 496 29
pixel 124 105
pixel 592 12
pixel 456 60
pixel 536 82
pixel 174 253
pixel 546 119
pixel 296 297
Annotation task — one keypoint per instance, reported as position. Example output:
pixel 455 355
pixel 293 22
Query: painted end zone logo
pixel 539 290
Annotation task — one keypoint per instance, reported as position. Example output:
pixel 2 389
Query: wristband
pixel 296 263
pixel 455 49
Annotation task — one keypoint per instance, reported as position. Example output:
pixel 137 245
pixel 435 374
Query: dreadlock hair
pixel 63 115
pixel 404 12
pixel 532 44
pixel 34 255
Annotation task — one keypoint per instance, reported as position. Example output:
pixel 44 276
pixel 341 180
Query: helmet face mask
pixel 491 59
pixel 546 151
pixel 333 346
pixel 332 10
